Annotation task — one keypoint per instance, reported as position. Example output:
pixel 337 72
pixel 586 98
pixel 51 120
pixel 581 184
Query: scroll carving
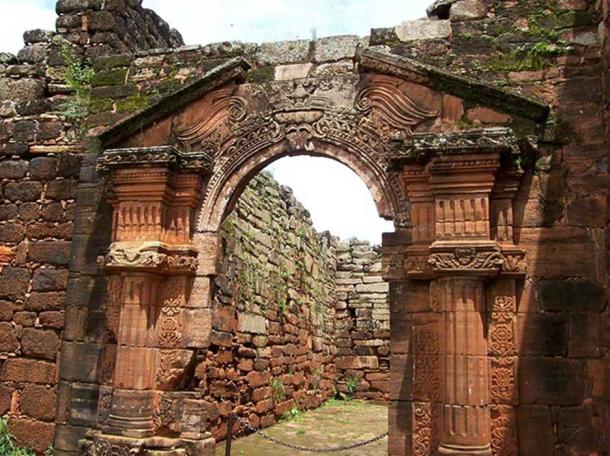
pixel 390 110
pixel 140 257
pixel 466 259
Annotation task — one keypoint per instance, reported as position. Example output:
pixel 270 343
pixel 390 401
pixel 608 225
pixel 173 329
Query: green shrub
pixel 8 446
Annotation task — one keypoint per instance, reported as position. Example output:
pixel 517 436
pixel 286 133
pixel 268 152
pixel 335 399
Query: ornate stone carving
pixel 170 332
pixel 133 256
pixel 103 447
pixel 104 404
pixel 172 368
pixel 466 259
pixel 422 429
pixel 423 145
pixel 502 380
pixel 158 156
pixel 502 338
pixel 113 312
pixel 208 130
pixel 390 111
pixel 504 431
pixel 427 383
pixel 514 262
pixel 164 412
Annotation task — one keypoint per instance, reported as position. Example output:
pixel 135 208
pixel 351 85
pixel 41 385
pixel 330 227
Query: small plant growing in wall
pixel 351 385
pixel 78 74
pixel 278 392
pixel 8 446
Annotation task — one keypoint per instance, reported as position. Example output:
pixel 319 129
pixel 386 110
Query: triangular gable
pixel 232 70
pixel 384 62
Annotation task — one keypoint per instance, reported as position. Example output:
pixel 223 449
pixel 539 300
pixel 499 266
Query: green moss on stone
pixel 133 103
pixel 112 61
pixel 98 105
pixel 109 78
pixel 262 74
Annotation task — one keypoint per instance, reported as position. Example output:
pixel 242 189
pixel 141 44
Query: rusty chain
pixel 351 446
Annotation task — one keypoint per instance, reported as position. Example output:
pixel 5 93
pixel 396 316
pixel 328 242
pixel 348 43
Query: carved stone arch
pixel 181 163
pixel 233 172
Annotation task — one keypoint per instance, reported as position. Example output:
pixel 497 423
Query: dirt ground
pixel 336 423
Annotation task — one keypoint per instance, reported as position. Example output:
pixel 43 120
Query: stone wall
pixel 363 322
pixel 556 51
pixel 272 348
pixel 113 27
pixel 557 347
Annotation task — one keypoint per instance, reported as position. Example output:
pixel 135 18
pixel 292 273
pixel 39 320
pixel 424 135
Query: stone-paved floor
pixel 334 424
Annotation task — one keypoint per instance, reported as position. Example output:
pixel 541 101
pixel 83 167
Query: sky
pixel 336 197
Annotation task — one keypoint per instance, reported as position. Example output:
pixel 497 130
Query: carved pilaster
pixel 150 266
pixel 463 184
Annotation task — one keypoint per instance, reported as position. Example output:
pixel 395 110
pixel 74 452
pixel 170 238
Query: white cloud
pixel 21 15
pixel 336 197
pixel 258 21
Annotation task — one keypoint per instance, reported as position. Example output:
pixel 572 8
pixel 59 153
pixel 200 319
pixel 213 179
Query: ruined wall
pixel 362 321
pixel 41 152
pixel 113 27
pixel 557 347
pixel 272 348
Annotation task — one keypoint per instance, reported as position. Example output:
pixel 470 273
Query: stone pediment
pixel 396 93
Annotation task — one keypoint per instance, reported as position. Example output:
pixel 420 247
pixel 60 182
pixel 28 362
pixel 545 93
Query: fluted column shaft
pixel 465 394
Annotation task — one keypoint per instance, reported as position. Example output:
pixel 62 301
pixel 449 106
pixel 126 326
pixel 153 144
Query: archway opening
pixel 300 309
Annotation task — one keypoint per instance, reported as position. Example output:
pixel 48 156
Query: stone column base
pixel 455 450
pixel 98 444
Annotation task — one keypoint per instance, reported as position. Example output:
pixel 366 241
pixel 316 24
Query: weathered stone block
pixel 357 362
pixel 551 381
pixel 23 191
pixel 12 233
pixel 13 169
pixel 543 334
pixel 50 252
pixel 40 343
pixel 251 323
pixel 80 362
pixel 570 295
pixel 465 10
pixel 423 30
pixel 332 49
pixel 14 282
pixel 584 335
pixel 8 338
pixel 535 430
pixel 50 280
pixel 283 52
pixel 28 370
pixel 83 404
pixel 32 434
pixel 293 71
pixel 37 401
pixel 43 168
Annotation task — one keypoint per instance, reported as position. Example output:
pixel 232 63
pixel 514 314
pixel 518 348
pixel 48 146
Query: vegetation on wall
pixel 78 74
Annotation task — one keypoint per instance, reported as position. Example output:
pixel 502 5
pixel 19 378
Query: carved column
pixel 150 266
pixel 470 180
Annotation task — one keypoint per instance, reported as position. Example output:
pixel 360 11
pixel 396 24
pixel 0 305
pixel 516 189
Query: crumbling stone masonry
pixel 272 345
pixel 362 321
pixel 481 131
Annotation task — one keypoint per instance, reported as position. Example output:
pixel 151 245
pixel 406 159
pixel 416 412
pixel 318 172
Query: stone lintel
pixel 157 156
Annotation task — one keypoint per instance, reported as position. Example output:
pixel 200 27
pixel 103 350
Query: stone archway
pixel 452 263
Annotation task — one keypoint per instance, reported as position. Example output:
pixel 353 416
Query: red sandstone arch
pixel 399 136
pixel 220 199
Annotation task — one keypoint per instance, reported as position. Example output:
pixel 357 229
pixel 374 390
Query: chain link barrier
pixel 351 446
